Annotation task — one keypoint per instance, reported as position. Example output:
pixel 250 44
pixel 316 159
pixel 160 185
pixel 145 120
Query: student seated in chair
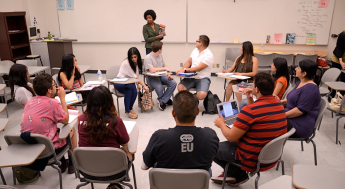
pixel 154 62
pixel 42 113
pixel 256 125
pixel 184 146
pixel 21 89
pixel 100 125
pixel 201 61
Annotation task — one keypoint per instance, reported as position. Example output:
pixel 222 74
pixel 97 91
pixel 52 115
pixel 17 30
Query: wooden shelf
pixel 19 46
pixel 21 31
pixel 19 57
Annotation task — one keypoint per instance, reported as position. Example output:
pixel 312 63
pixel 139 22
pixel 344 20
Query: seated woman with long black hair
pixel 100 125
pixel 69 74
pixel 21 89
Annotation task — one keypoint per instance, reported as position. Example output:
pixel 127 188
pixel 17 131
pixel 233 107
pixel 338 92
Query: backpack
pixel 25 175
pixel 210 103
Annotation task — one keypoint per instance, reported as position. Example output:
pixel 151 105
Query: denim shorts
pixel 200 84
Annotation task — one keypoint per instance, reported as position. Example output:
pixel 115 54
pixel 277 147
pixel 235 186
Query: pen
pixel 223 68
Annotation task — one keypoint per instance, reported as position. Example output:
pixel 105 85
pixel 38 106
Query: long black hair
pixel 18 76
pixel 100 111
pixel 282 68
pixel 248 53
pixel 67 67
pixel 134 51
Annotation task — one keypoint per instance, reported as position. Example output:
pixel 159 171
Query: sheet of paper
pixel 227 74
pixel 94 83
pixel 70 4
pixel 311 39
pixel 278 38
pixel 129 125
pixel 239 77
pixel 87 87
pixel 120 79
pixel 235 39
pixel 156 73
pixel 323 3
pixel 60 4
pixel 73 114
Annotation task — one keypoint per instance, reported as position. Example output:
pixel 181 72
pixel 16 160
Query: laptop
pixel 229 111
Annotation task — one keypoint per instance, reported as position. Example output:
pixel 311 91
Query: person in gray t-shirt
pixel 154 62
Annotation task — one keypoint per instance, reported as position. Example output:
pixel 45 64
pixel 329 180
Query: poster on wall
pixel 60 4
pixel 70 4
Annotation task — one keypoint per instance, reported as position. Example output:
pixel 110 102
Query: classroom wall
pixel 103 55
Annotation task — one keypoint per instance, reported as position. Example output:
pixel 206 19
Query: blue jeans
pixel 130 92
pixel 158 82
pixel 148 51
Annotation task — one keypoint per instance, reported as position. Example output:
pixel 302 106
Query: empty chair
pixel 102 165
pixel 330 75
pixel 178 178
pixel 230 56
pixel 300 57
pixel 27 62
pixel 111 74
pixel 265 61
pixel 289 58
pixel 270 153
pixel 339 113
pixel 47 152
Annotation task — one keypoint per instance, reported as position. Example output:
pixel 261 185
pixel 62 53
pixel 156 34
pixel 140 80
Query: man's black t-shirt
pixel 182 147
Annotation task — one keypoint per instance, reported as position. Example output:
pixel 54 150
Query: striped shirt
pixel 263 121
pixel 76 84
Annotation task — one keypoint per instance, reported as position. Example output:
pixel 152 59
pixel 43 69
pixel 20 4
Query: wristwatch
pixel 185 70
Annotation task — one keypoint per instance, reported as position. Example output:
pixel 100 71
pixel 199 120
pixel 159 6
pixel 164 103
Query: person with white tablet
pixel 130 69
pixel 200 61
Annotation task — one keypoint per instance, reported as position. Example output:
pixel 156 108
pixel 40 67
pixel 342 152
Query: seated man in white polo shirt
pixel 200 61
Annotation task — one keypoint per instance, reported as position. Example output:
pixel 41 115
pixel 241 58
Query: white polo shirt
pixel 205 57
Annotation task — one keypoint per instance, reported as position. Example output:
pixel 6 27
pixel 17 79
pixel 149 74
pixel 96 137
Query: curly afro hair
pixel 150 12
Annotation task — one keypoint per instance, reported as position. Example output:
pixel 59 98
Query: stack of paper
pixel 69 98
pixel 120 79
pixel 95 83
pixel 73 114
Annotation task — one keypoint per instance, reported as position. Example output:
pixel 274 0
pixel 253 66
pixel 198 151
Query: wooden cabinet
pixel 14 38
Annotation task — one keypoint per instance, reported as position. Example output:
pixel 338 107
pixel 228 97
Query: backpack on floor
pixel 25 175
pixel 210 103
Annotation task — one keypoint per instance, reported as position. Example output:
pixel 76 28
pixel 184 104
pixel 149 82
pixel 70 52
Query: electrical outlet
pixel 214 65
pixel 181 64
pixel 217 65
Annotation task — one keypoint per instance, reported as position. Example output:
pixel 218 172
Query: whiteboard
pixel 253 20
pixel 121 20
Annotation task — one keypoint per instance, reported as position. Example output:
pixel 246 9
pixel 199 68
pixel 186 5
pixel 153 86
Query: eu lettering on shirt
pixel 187 145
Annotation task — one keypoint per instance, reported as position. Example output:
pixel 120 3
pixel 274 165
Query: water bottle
pixel 262 47
pixel 49 36
pixel 99 74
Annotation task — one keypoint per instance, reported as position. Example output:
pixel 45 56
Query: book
pixel 73 114
pixel 69 98
pixel 268 39
pixel 187 74
pixel 244 85
pixel 290 38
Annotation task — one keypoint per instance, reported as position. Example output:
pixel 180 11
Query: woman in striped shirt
pixel 69 74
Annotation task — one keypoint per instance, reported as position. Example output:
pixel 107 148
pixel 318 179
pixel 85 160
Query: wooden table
pixel 20 154
pixel 31 69
pixel 295 52
pixel 336 85
pixel 129 81
pixel 317 177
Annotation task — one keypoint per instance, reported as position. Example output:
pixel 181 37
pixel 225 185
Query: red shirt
pixel 264 120
pixel 115 139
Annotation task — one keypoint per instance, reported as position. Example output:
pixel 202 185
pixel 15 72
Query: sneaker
pixel 170 102
pixel 161 105
pixel 219 179
pixel 64 166
pixel 71 169
pixel 238 182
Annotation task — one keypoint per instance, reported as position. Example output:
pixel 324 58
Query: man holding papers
pixel 42 113
pixel 154 62
pixel 200 61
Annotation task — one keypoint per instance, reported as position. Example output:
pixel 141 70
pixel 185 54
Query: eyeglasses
pixel 198 41
pixel 54 85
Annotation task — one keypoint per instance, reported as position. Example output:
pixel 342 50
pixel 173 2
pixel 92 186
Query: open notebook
pixel 70 98
pixel 73 114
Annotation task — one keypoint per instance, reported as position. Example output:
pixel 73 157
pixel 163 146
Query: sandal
pixel 132 116
pixel 133 112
